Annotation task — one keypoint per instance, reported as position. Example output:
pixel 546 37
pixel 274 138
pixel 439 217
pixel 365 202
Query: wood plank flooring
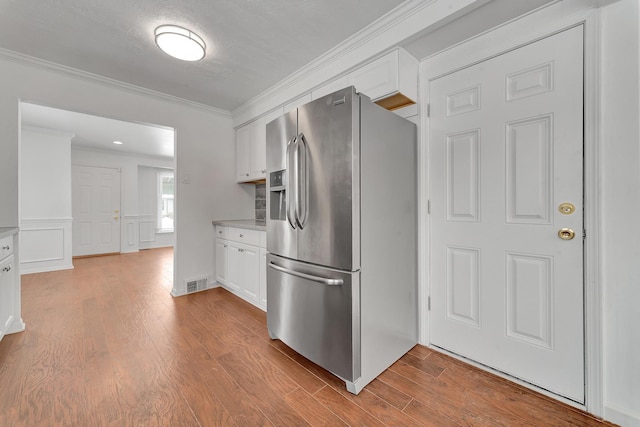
pixel 106 345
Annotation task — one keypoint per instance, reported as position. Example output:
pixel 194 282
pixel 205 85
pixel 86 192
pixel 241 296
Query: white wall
pixel 620 192
pixel 45 200
pixel 204 150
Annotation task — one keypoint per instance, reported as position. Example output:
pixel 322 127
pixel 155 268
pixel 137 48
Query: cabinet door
pixel 7 286
pixel 243 151
pixel 259 145
pixel 249 272
pixel 233 267
pixel 377 79
pixel 221 260
pixel 263 278
pixel 259 149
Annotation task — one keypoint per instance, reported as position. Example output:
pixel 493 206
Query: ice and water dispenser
pixel 278 195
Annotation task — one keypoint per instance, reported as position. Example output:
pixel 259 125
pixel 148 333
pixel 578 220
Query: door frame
pixel 521 31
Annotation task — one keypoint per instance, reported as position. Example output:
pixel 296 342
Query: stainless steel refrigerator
pixel 342 235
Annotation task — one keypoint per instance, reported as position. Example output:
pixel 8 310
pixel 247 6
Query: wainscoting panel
pixel 45 245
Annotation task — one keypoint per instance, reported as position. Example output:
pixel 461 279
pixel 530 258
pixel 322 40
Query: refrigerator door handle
pixel 302 182
pixel 323 280
pixel 291 178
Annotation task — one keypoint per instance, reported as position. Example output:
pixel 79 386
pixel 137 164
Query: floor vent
pixel 196 285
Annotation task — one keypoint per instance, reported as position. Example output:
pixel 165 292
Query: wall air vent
pixel 196 285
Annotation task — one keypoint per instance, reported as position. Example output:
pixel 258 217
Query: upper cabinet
pixel 251 149
pixel 391 81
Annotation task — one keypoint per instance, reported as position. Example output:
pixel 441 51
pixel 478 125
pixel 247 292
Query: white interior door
pixel 506 160
pixel 96 210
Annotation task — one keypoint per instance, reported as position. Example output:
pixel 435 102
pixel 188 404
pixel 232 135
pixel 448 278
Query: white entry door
pixel 506 185
pixel 96 210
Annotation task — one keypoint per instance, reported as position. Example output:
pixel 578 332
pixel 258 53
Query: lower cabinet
pixel 241 263
pixel 7 285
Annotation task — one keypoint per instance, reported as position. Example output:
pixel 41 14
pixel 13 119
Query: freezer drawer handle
pixel 326 281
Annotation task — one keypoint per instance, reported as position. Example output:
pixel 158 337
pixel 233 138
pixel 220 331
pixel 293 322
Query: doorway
pixel 102 159
pixel 506 174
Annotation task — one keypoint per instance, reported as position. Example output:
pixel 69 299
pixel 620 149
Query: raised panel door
pixel 243 151
pixel 221 260
pixel 505 154
pixel 263 278
pixel 249 275
pixel 233 266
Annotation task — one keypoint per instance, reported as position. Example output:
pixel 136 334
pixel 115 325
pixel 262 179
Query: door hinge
pixel 429 303
pixel 428 110
pixel 584 234
pixel 428 207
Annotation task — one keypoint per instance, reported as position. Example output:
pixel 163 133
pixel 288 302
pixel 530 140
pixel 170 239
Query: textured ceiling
pixel 251 44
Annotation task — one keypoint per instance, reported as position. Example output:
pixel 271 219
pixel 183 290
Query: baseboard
pixel 621 417
pixel 16 326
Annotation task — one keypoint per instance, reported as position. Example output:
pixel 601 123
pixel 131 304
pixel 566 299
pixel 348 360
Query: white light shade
pixel 180 43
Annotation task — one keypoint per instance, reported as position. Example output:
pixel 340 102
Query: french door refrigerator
pixel 342 235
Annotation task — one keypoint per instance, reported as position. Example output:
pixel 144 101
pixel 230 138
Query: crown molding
pixel 407 20
pixel 43 64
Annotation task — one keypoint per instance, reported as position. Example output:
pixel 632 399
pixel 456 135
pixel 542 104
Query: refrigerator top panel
pixel 329 141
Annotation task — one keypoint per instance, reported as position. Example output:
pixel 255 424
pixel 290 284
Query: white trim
pixel 106 81
pixel 621 417
pixel 409 19
pixel 46 269
pixel 41 220
pixel 522 31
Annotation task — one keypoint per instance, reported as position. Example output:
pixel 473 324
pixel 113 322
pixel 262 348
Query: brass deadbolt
pixel 566 208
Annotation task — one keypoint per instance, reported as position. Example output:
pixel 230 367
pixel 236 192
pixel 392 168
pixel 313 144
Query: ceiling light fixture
pixel 180 42
pixel 118 142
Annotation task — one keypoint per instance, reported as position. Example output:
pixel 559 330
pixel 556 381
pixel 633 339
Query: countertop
pixel 8 231
pixel 251 224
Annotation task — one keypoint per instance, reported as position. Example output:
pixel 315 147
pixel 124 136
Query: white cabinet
pixel 251 149
pixel 241 263
pixel 7 285
pixel 263 278
pixel 391 80
pixel 243 150
pixel 222 251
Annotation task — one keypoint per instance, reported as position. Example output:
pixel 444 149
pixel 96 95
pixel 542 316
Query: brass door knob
pixel 115 217
pixel 566 233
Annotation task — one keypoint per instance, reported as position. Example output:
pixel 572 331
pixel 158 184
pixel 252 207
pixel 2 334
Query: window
pixel 165 201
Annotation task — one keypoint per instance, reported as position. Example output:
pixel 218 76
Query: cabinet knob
pixel 224 246
pixel 264 171
pixel 246 174
pixel 242 235
pixel 6 248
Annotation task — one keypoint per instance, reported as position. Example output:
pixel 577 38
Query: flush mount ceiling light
pixel 180 43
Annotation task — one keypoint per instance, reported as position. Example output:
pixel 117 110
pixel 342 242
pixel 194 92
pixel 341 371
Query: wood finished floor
pixel 106 345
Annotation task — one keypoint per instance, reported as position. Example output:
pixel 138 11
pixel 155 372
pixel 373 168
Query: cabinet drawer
pixel 242 235
pixel 221 232
pixel 6 246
